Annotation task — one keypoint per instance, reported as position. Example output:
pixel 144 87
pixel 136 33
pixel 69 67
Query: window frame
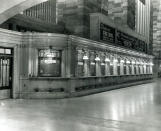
pixel 57 58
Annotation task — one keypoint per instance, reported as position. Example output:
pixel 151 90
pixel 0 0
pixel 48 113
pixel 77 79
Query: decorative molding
pixel 90 43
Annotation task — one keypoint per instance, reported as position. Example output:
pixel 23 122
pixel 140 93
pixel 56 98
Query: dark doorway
pixel 6 64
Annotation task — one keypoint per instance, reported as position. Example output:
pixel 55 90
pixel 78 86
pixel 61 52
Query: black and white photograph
pixel 80 65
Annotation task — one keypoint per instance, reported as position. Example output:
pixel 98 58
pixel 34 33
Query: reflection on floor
pixel 137 108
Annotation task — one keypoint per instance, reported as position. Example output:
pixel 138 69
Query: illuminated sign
pixel 49 61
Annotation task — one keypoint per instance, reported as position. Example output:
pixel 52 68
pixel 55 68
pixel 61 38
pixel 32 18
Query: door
pixel 5 74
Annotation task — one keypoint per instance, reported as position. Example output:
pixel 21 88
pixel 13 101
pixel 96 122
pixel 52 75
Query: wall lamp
pixel 115 60
pixel 122 61
pixel 97 58
pixel 107 60
pixel 151 64
pixel 127 62
pixel 85 57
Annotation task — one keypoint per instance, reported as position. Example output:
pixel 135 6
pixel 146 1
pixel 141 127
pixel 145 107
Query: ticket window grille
pixel 118 68
pixel 103 68
pixel 135 69
pixel 80 68
pixel 130 69
pixel 125 69
pixel 80 63
pixel 139 70
pixel 111 68
pixel 93 68
pixel 49 63
pixel 92 65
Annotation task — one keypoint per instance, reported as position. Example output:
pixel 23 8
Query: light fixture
pixel 111 64
pixel 49 61
pixel 122 61
pixel 50 54
pixel 97 58
pixel 127 62
pixel 44 0
pixel 133 62
pixel 107 59
pixel 80 63
pixel 85 57
pixel 92 63
pixel 137 63
pixel 115 60
pixel 144 63
pixel 151 64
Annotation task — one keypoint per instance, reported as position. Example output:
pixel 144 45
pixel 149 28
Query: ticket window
pixel 111 68
pixel 92 68
pixel 125 69
pixel 80 68
pixel 103 68
pixel 92 65
pixel 49 63
pixel 118 68
pixel 80 64
pixel 130 69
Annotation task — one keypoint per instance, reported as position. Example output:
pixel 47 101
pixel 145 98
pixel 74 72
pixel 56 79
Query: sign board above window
pixel 107 33
pixel 113 36
pixel 49 53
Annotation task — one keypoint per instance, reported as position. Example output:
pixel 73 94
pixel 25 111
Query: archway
pixel 9 8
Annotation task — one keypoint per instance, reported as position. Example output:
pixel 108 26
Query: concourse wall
pixel 27 82
pixel 70 84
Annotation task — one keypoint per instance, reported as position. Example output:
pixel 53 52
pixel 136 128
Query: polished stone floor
pixel 136 108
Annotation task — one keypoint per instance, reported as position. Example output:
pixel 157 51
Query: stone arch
pixel 16 8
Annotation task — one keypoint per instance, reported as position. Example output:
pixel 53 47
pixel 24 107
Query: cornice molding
pixel 88 43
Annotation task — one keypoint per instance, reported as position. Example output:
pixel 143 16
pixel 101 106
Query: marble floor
pixel 136 108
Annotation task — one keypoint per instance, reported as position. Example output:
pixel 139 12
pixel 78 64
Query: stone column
pixel 115 61
pixel 98 66
pixel 148 69
pixel 107 68
pixel 151 68
pixel 122 67
pixel 132 68
pixel 127 67
pixel 17 87
pixel 141 68
pixel 145 68
pixel 86 70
